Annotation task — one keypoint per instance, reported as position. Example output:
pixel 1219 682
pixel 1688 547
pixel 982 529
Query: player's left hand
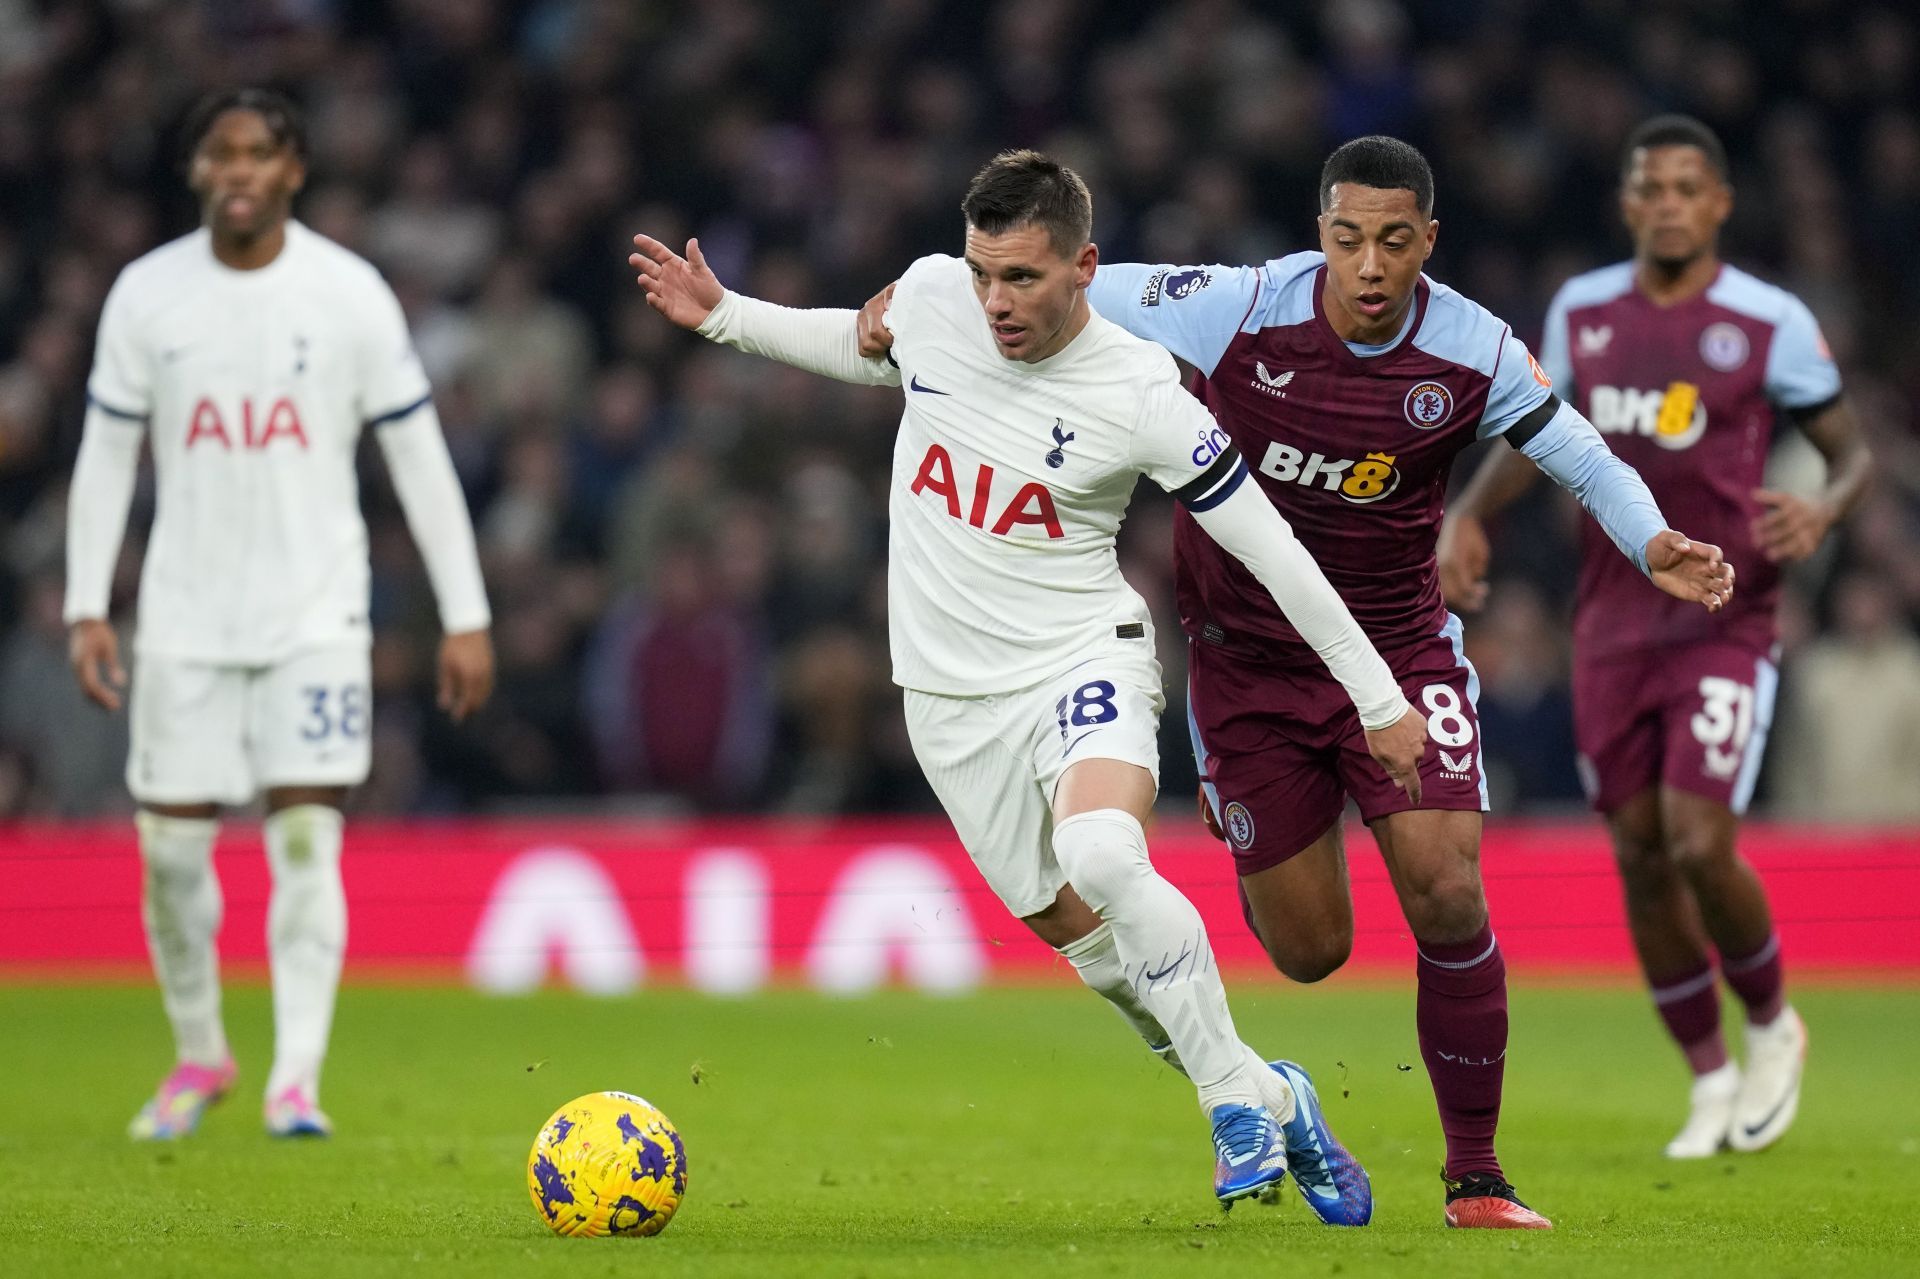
pixel 466 673
pixel 876 339
pixel 1689 570
pixel 685 290
pixel 1792 528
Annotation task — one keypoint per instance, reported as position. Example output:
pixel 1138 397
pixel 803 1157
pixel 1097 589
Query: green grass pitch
pixel 1009 1133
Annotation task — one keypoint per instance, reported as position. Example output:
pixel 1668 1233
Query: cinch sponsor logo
pixel 1674 418
pixel 1213 442
pixel 1031 504
pixel 1368 480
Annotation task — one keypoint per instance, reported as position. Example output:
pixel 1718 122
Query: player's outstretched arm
pixel 1465 552
pixel 686 291
pixel 1248 527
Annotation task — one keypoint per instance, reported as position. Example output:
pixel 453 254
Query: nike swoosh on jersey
pixel 914 384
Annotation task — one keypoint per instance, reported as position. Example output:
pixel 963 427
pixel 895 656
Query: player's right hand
pixel 1464 554
pixel 92 648
pixel 1398 748
pixel 1689 570
pixel 685 290
pixel 876 339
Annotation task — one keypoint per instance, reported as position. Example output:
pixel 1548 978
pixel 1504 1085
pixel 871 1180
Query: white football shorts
pixel 205 732
pixel 994 761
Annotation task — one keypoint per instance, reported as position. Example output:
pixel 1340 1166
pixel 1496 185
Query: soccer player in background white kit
pixel 1033 695
pixel 252 353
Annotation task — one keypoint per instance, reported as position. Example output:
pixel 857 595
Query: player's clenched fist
pixel 1690 570
pixel 94 652
pixel 1398 748
pixel 685 290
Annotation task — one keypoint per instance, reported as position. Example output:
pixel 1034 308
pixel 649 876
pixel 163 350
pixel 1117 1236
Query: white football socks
pixel 180 904
pixel 1164 955
pixel 306 940
pixel 1097 960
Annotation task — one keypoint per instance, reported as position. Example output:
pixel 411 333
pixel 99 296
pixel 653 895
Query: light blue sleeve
pixel 1800 369
pixel 1556 353
pixel 1519 387
pixel 1572 452
pixel 1193 311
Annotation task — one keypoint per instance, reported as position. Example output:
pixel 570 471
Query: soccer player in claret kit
pixel 1033 695
pixel 1350 382
pixel 1686 363
pixel 251 354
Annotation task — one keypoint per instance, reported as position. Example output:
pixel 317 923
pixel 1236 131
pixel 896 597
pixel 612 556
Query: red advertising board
pixel 730 906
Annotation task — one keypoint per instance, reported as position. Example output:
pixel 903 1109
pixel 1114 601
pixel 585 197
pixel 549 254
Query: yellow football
pixel 608 1163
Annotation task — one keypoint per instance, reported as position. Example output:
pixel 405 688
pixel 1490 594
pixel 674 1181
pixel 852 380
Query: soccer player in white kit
pixel 251 354
pixel 1032 692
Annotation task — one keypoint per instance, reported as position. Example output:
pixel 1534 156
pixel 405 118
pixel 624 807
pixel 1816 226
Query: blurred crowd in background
pixel 685 547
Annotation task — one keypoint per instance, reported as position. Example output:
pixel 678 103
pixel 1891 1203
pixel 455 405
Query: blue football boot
pixel 1250 1152
pixel 1332 1181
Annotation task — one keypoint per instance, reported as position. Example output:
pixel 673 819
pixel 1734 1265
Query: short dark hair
pixel 283 119
pixel 1018 188
pixel 1675 131
pixel 1379 161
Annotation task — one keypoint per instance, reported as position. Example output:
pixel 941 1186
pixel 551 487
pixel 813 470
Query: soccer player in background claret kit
pixel 1684 362
pixel 251 354
pixel 1350 382
pixel 1032 692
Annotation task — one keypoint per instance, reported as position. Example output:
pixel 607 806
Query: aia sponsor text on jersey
pixel 249 428
pixel 1031 503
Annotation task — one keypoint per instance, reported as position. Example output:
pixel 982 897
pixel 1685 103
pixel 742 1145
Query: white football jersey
pixel 1010 481
pixel 254 387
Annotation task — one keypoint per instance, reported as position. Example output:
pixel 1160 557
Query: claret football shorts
pixel 1693 717
pixel 1281 748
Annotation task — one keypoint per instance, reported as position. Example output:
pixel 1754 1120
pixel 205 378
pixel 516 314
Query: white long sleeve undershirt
pixel 436 511
pixel 820 341
pixel 97 503
pixel 1247 526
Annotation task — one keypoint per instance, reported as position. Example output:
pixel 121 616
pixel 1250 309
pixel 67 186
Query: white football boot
pixel 1710 1117
pixel 1770 1093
